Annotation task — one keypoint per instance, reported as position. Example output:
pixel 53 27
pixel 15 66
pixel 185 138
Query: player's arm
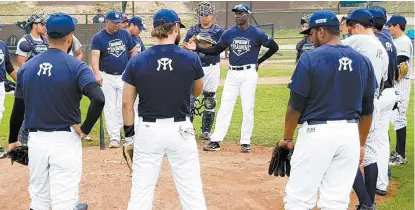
pixel 272 49
pixel 77 47
pixel 186 39
pixel 95 54
pixel 129 95
pixel 79 54
pixel 214 50
pixel 9 66
pixel 17 115
pixel 131 45
pixel 22 52
pixel 294 111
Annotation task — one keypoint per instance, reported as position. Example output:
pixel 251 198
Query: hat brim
pixel 181 25
pixel 238 10
pixel 117 21
pixel 306 32
pixel 142 28
pixel 75 21
pixel 388 23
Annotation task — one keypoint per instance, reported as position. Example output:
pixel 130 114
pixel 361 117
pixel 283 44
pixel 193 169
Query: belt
pixel 208 64
pixel 68 129
pixel 239 68
pixel 319 122
pixel 176 119
pixel 112 73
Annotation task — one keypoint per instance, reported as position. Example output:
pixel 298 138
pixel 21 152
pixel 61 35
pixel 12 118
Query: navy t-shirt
pixel 4 57
pixel 51 85
pixel 114 50
pixel 214 32
pixel 164 76
pixel 392 54
pixel 139 44
pixel 334 80
pixel 244 45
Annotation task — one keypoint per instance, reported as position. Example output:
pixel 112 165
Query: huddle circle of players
pixel 343 93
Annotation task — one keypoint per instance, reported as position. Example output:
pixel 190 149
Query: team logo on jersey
pixel 240 45
pixel 1 57
pixel 388 46
pixel 379 53
pixel 165 62
pixel 345 64
pixel 40 48
pixel 116 47
pixel 44 68
pixel 138 47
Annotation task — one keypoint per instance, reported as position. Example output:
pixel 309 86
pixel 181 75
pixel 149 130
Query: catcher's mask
pixel 205 9
pixel 38 17
pixel 305 19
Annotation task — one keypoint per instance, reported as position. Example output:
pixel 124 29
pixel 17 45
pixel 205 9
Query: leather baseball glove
pixel 19 154
pixel 203 40
pixel 127 152
pixel 403 70
pixel 280 161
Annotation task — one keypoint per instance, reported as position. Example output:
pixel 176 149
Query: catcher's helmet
pixel 205 8
pixel 38 17
pixel 305 18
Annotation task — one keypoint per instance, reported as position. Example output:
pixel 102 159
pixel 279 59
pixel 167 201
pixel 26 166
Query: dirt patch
pixel 232 180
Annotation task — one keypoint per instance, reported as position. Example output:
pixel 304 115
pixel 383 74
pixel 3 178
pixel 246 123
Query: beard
pixel 178 37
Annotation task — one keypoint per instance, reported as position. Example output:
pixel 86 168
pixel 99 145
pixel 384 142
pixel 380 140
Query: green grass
pixel 270 107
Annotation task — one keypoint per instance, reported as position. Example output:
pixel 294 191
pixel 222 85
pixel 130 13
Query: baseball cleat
pixel 246 148
pixel 88 138
pixel 212 146
pixel 3 154
pixel 114 144
pixel 381 192
pixel 206 135
pixel 364 207
pixel 397 160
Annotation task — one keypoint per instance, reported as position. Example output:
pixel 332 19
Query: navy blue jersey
pixel 392 54
pixel 334 80
pixel 302 46
pixel 114 50
pixel 51 85
pixel 164 76
pixel 139 44
pixel 244 45
pixel 4 57
pixel 214 32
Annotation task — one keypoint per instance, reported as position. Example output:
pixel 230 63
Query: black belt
pixel 239 68
pixel 68 129
pixel 319 122
pixel 208 64
pixel 112 73
pixel 176 119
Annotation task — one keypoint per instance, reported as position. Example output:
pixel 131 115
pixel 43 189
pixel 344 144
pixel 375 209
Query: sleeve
pixel 84 76
pixel 198 67
pixel 404 49
pixel 76 44
pixel 6 54
pixel 300 81
pixel 224 39
pixel 264 39
pixel 219 34
pixel 130 42
pixel 371 79
pixel 128 75
pixel 189 35
pixel 18 93
pixel 96 43
pixel 22 48
pixel 385 66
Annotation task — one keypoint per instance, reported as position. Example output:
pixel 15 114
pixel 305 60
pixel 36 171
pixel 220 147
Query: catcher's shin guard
pixel 208 118
pixel 207 121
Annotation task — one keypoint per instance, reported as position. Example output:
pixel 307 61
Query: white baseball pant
pixel 112 87
pixel 371 146
pixel 176 141
pixel 2 99
pixel 313 170
pixel 242 83
pixel 55 169
pixel 403 89
pixel 211 78
pixel 386 103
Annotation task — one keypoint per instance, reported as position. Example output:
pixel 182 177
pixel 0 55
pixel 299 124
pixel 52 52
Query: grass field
pixel 270 107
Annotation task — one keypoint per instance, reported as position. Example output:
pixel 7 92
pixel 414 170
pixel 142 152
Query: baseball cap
pixel 377 13
pixel 60 24
pixel 381 8
pixel 138 22
pixel 361 16
pixel 396 19
pixel 241 8
pixel 124 17
pixel 322 18
pixel 166 16
pixel 114 17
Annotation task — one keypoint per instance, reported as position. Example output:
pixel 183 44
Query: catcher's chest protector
pixel 36 47
pixel 211 32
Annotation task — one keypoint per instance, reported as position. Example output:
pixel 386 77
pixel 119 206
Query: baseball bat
pixel 101 134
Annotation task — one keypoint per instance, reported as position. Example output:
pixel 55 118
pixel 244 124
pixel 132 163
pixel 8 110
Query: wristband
pixel 288 140
pixel 129 130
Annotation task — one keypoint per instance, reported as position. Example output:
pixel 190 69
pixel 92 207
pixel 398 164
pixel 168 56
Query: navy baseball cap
pixel 361 16
pixel 241 8
pixel 322 18
pixel 60 24
pixel 166 16
pixel 124 17
pixel 377 13
pixel 396 19
pixel 138 22
pixel 114 17
pixel 381 8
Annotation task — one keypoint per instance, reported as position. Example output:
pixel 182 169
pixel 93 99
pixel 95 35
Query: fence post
pixel 86 39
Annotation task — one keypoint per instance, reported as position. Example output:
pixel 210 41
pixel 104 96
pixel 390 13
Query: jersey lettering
pixel 345 64
pixel 164 62
pixel 45 68
pixel 116 47
pixel 240 45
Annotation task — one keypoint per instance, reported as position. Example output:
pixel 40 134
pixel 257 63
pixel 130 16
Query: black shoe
pixel 212 146
pixel 381 192
pixel 246 148
pixel 364 207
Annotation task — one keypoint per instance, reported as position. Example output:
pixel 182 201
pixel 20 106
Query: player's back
pixel 335 82
pixel 391 51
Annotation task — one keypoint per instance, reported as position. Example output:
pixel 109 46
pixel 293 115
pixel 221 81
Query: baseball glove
pixel 280 161
pixel 127 152
pixel 203 40
pixel 403 70
pixel 19 154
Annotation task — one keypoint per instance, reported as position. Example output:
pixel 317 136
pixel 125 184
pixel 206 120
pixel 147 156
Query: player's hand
pixel 78 130
pixel 284 143
pixel 13 145
pixel 99 78
pixel 362 156
pixel 191 45
pixel 257 65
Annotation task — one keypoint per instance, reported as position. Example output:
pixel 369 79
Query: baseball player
pixel 206 27
pixel 164 76
pixel 244 41
pixel 135 27
pixel 387 99
pixel 76 48
pixel 333 117
pixel 99 18
pixel 124 23
pixel 111 48
pixel 53 118
pixel 304 44
pixel 397 25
